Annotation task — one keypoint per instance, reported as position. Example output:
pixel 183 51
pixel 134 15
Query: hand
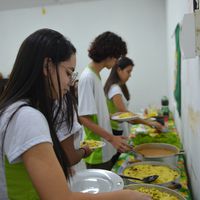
pixel 87 151
pixel 156 125
pixel 135 195
pixel 121 143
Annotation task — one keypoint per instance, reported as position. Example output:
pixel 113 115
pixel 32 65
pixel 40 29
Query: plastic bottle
pixel 165 106
pixel 165 110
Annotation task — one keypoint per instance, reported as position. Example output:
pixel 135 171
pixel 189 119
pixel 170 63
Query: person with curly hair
pixel 104 52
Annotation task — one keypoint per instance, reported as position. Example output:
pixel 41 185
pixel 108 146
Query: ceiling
pixel 18 4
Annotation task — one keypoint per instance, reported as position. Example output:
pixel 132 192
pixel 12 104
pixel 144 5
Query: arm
pixel 150 123
pixel 117 100
pixel 74 155
pixel 117 141
pixel 50 183
pixel 45 172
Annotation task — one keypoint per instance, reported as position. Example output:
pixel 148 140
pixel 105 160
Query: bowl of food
pixel 160 152
pixel 167 174
pixel 156 192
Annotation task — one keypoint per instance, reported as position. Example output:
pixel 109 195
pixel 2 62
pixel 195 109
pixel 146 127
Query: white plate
pixel 96 181
pixel 124 119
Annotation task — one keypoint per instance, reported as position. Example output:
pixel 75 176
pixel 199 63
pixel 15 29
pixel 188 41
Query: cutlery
pixel 147 179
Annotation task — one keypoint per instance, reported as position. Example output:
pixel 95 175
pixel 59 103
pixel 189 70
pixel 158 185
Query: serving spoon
pixel 147 179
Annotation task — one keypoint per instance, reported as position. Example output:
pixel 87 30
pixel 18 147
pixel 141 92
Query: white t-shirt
pixel 63 132
pixel 77 130
pixel 116 90
pixel 92 101
pixel 23 133
pixel 27 128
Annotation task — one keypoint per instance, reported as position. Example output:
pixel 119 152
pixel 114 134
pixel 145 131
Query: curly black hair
pixel 107 45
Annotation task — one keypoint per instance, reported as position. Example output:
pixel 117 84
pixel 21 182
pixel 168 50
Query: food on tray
pixel 156 152
pixel 93 144
pixel 125 115
pixel 165 173
pixel 157 194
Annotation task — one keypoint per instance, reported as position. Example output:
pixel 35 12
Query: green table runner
pixel 170 137
pixel 126 157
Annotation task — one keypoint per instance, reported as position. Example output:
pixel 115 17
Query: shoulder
pixel 26 127
pixel 87 73
pixel 30 113
pixel 114 90
pixel 87 78
pixel 22 114
pixel 115 87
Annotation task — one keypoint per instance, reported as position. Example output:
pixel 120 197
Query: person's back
pixel 95 106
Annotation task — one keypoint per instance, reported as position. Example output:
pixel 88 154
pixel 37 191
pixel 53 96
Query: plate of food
pixel 96 181
pixel 166 173
pixel 124 116
pixel 93 144
pixel 156 191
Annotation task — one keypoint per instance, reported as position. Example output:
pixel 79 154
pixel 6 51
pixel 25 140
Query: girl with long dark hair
pixel 33 107
pixel 118 96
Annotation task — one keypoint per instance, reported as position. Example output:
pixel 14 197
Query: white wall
pixel 189 123
pixel 140 22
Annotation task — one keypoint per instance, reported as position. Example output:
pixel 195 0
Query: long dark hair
pixel 3 84
pixel 27 81
pixel 113 78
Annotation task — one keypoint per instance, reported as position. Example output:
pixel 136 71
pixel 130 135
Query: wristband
pixel 85 153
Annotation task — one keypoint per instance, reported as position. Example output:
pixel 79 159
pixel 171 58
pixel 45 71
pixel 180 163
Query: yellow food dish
pixel 125 115
pixel 157 194
pixel 165 173
pixel 93 144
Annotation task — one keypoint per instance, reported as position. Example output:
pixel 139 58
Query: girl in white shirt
pixel 118 96
pixel 34 165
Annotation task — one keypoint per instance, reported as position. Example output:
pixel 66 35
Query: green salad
pixel 169 138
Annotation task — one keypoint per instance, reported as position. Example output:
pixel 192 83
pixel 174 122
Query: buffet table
pixel 170 137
